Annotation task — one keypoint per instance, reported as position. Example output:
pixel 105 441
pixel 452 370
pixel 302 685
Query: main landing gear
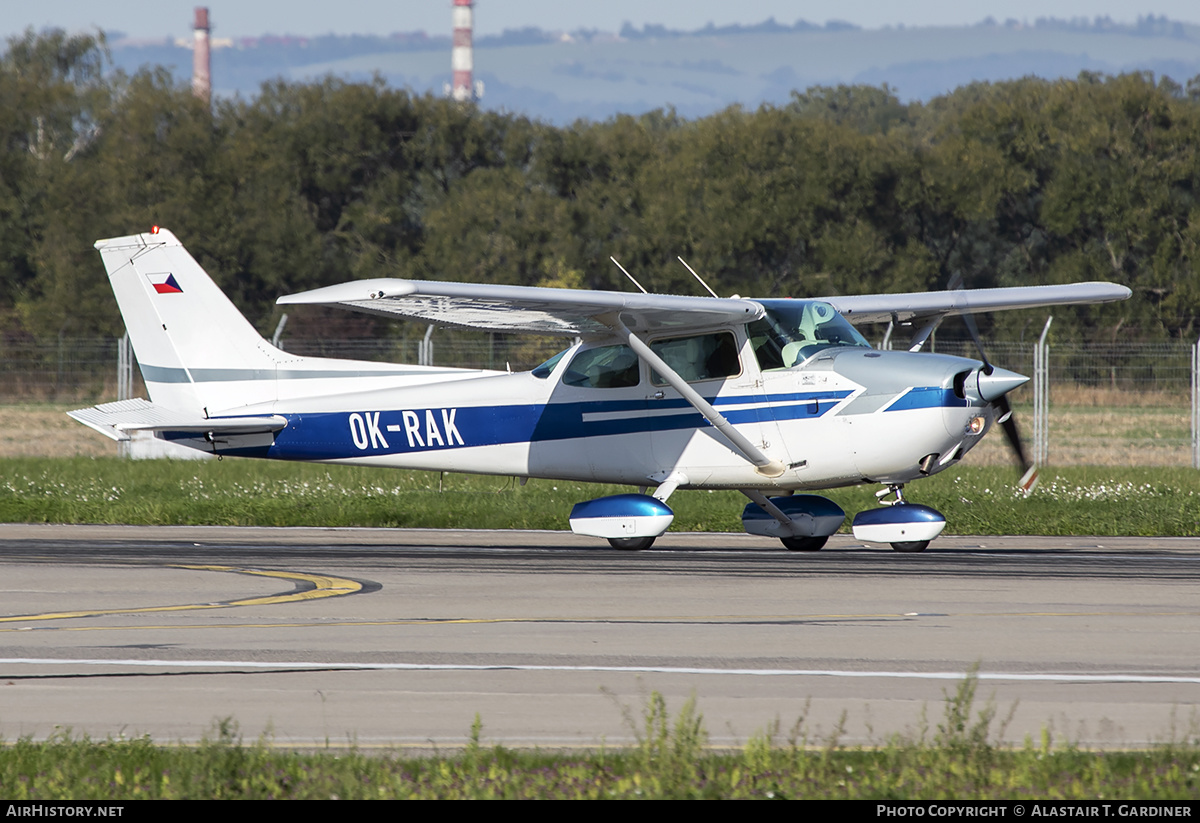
pixel 629 522
pixel 804 544
pixel 631 544
pixel 801 522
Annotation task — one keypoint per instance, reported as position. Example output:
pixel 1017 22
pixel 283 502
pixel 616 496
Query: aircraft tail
pixel 192 344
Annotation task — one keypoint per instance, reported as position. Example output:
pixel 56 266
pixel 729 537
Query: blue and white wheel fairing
pixel 814 518
pixel 622 517
pixel 907 526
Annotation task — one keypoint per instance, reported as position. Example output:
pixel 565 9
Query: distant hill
pixel 560 76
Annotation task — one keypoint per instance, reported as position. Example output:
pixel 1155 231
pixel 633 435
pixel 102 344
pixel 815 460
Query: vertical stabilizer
pixel 195 349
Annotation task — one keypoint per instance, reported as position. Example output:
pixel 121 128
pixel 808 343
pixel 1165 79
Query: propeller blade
pixel 1008 382
pixel 1007 422
pixel 956 284
pixel 1029 481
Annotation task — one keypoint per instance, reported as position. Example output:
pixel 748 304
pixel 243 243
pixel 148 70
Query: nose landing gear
pixel 908 527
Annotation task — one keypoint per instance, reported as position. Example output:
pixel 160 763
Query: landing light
pixel 976 425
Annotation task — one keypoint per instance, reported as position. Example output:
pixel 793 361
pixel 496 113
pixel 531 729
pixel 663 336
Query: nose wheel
pixel 906 527
pixel 906 546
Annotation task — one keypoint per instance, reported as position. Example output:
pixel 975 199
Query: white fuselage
pixel 826 427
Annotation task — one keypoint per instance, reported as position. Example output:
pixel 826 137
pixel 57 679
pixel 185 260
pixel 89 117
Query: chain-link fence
pixel 1108 403
pixel 64 370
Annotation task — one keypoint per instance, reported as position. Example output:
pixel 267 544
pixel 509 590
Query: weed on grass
pixel 963 760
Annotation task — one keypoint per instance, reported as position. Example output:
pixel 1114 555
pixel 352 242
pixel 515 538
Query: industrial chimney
pixel 462 60
pixel 201 61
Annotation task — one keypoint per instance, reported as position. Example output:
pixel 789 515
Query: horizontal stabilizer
pixel 116 420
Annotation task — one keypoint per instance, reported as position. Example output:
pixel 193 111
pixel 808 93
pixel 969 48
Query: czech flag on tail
pixel 164 283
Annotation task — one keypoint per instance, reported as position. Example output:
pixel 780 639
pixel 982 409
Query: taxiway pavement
pixel 398 638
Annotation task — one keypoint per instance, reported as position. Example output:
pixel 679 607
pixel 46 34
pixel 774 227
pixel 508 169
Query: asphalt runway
pixel 398 638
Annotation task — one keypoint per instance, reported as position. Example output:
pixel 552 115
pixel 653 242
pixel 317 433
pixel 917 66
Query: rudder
pixel 191 342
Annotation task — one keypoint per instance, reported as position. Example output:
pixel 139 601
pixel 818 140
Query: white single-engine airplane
pixel 768 397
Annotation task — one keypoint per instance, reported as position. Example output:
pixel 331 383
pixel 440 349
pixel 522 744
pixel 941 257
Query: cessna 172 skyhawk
pixel 667 392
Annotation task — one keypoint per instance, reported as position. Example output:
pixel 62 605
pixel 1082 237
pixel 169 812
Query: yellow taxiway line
pixel 322 586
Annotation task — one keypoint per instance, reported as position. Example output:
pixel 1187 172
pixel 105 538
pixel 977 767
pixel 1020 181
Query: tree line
pixel 840 191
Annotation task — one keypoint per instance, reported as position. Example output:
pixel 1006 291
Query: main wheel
pixel 804 544
pixel 631 544
pixel 912 546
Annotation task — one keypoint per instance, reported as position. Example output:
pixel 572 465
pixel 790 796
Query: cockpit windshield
pixel 794 330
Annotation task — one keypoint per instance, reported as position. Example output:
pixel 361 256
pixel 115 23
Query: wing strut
pixel 765 465
pixel 918 341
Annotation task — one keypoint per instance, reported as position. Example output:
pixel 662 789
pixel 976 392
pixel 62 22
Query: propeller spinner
pixel 993 385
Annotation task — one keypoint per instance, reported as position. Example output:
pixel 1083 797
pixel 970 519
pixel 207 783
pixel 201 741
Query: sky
pixel 160 18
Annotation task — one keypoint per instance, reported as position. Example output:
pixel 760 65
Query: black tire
pixel 912 546
pixel 631 544
pixel 804 544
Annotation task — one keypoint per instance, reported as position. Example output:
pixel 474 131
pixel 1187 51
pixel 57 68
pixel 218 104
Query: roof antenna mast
pixel 693 271
pixel 627 274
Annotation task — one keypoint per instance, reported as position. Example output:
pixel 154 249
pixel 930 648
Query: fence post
pixel 425 348
pixel 124 381
pixel 1196 405
pixel 1037 402
pixel 276 340
pixel 1041 397
pixel 124 368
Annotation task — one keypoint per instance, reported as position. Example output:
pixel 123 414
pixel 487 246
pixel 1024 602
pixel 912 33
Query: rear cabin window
pixel 606 367
pixel 703 357
pixel 543 371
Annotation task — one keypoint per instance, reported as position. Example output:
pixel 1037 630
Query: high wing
pixel 117 420
pixel 566 312
pixel 572 312
pixel 900 308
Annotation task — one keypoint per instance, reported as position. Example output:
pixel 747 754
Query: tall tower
pixel 201 62
pixel 462 59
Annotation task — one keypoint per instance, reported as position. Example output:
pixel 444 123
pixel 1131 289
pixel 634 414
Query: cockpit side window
pixel 794 330
pixel 702 357
pixel 606 367
pixel 767 340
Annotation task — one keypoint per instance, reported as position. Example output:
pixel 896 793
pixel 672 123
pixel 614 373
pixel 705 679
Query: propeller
pixel 998 386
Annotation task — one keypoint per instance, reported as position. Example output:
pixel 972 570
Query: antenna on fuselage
pixel 627 274
pixel 693 271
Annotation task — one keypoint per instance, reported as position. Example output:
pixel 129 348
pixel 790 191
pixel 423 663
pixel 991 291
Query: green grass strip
pixel 1069 501
pixel 956 760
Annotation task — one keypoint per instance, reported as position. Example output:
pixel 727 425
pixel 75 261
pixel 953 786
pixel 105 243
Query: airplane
pixel 773 397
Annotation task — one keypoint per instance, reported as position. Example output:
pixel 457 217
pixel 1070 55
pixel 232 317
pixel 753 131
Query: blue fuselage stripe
pixel 343 434
pixel 927 397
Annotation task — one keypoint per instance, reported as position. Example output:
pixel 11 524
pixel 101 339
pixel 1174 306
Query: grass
pixel 44 430
pixel 975 500
pixel 1102 434
pixel 958 760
